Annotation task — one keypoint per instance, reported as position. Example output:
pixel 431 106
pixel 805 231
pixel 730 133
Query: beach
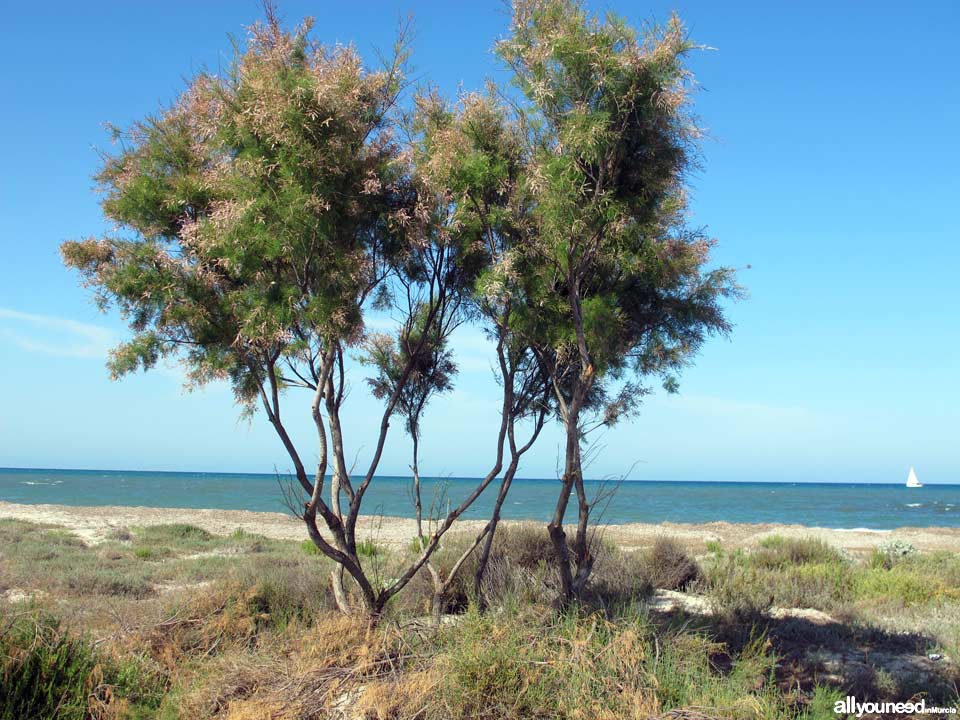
pixel 95 523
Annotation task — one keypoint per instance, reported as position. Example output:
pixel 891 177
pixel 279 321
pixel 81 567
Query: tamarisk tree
pixel 473 155
pixel 257 220
pixel 609 283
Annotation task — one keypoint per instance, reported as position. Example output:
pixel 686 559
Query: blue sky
pixel 832 172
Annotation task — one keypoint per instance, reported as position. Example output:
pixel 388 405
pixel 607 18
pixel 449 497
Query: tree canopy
pixel 266 213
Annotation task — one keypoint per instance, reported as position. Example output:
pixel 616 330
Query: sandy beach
pixel 94 524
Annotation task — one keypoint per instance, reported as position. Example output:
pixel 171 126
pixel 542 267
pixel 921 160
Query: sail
pixel 912 479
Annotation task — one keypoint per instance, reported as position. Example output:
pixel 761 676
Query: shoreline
pixel 94 523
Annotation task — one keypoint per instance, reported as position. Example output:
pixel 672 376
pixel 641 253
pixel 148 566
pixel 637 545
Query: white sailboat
pixel 912 479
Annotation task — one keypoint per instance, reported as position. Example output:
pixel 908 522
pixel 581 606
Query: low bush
pixel 517 665
pixel 777 551
pixel 620 576
pixel 888 554
pixel 310 547
pixel 368 548
pixel 47 673
pixel 259 597
pixel 741 589
pixel 669 566
pixel 739 594
pixel 900 585
pixel 180 534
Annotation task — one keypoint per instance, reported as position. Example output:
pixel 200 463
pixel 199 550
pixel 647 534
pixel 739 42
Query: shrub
pixel 309 547
pixel 889 553
pixel 120 534
pixel 738 594
pixel 619 576
pixel 47 673
pixel 740 587
pixel 518 570
pixel 368 548
pixel 899 584
pixel 365 548
pixel 181 533
pixel 579 666
pixel 151 553
pixel 777 551
pixel 44 673
pixel 669 566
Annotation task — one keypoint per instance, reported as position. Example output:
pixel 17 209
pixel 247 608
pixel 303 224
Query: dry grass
pixel 244 627
pixel 669 566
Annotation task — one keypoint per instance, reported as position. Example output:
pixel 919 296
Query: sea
pixel 832 505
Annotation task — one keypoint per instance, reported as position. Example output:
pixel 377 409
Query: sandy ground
pixel 94 524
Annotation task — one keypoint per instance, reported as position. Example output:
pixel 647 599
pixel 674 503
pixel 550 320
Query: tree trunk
pixel 438 600
pixel 492 531
pixel 417 502
pixel 336 576
pixel 571 470
pixel 339 594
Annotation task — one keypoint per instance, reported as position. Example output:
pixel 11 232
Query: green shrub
pixel 741 589
pixel 151 553
pixel 368 548
pixel 587 666
pixel 739 594
pixel 309 547
pixel 889 553
pixel 365 548
pixel 173 533
pixel 44 672
pixel 899 584
pixel 777 551
pixel 47 673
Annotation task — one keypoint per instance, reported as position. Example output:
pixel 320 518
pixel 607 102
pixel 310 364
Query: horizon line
pixel 467 477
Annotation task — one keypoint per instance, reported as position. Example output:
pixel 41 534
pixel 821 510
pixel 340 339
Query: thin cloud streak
pixel 56 336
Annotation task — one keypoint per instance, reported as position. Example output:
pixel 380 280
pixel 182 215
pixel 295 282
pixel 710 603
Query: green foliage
pixel 614 141
pixel 250 211
pixel 575 197
pixel 173 533
pixel 777 551
pixel 365 548
pixel 309 547
pixel 368 548
pixel 822 703
pixel 145 553
pixel 416 364
pixel 888 554
pixel 901 585
pixel 45 673
pixel 587 666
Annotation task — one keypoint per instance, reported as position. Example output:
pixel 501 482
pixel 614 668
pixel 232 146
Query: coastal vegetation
pixel 302 219
pixel 242 626
pixel 274 209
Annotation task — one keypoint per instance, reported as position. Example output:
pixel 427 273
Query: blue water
pixel 816 504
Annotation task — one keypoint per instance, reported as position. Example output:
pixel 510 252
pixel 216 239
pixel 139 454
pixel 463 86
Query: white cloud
pixel 52 335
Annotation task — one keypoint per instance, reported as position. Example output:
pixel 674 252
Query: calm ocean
pixel 826 505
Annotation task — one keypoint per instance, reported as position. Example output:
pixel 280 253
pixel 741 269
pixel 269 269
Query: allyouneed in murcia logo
pixel 850 706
